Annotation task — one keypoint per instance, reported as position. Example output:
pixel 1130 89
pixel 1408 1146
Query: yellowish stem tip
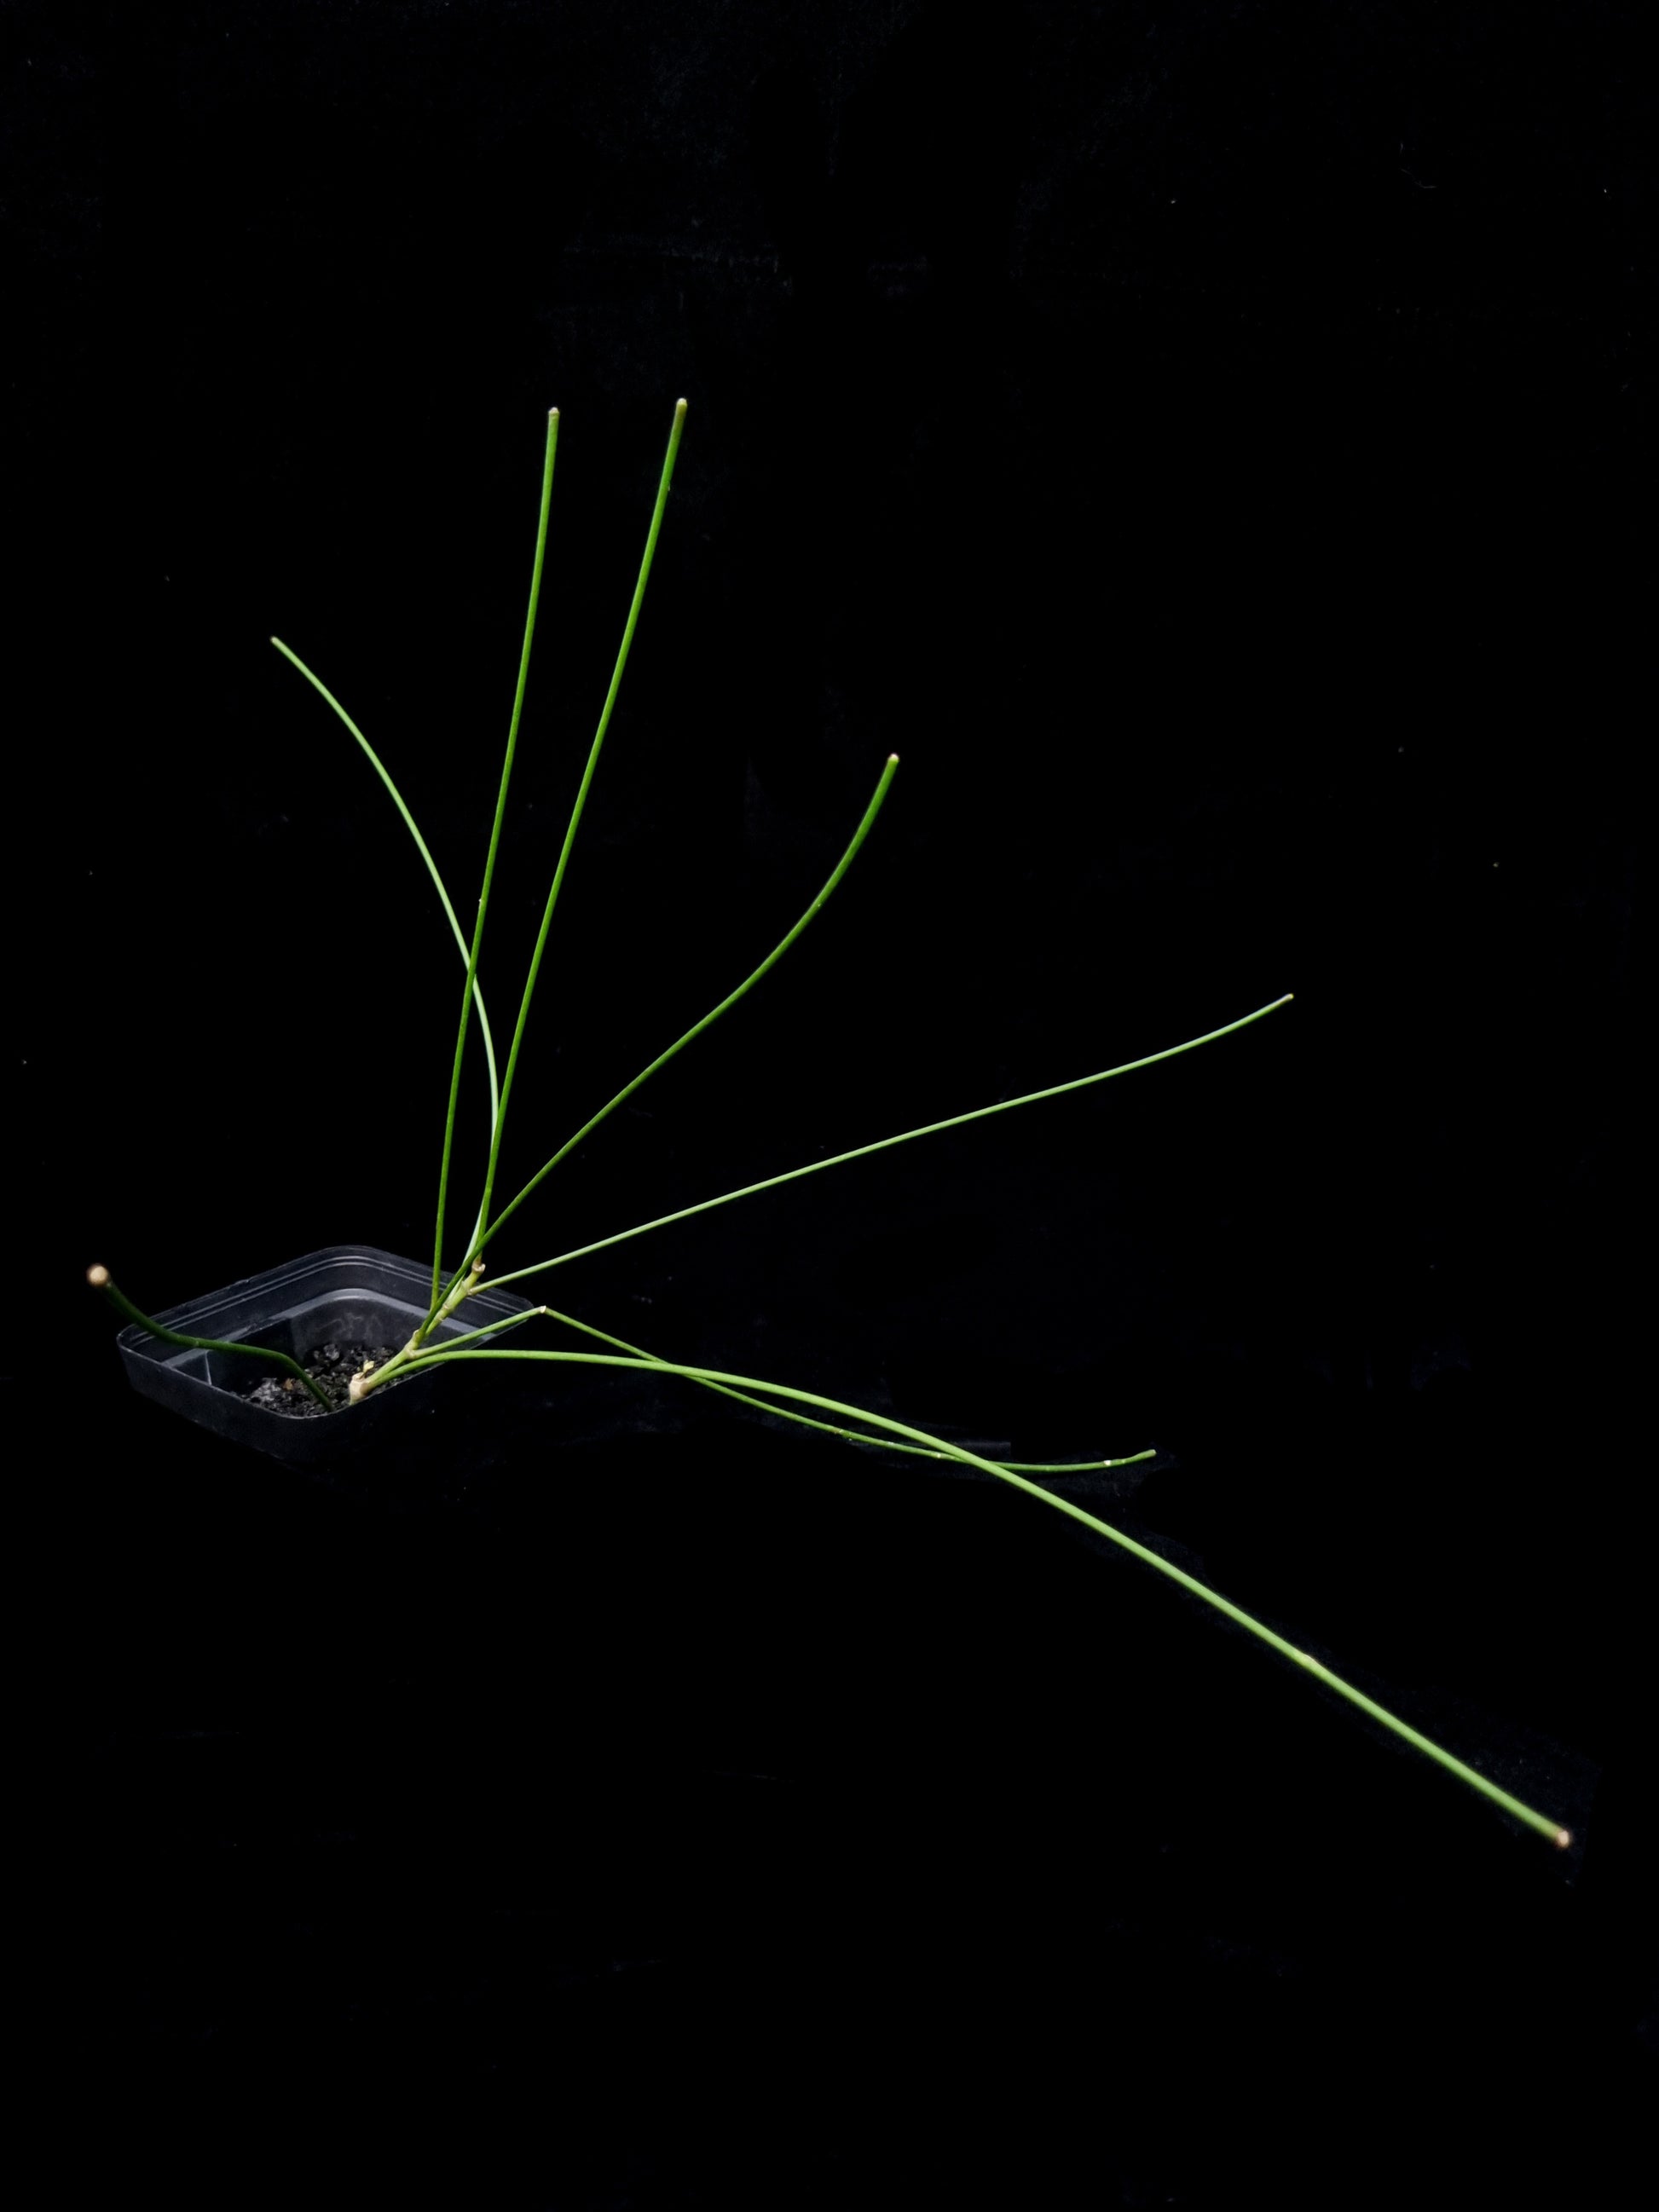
pixel 1563 1838
pixel 679 407
pixel 99 1278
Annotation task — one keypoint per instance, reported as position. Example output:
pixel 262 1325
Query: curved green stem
pixel 709 1019
pixel 100 1280
pixel 851 1436
pixel 884 1143
pixel 1536 1821
pixel 490 870
pixel 376 763
pixel 652 536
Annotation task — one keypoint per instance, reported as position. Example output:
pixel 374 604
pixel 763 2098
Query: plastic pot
pixel 345 1292
pixel 432 1434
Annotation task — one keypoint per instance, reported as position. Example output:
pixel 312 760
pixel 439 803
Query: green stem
pixel 862 1151
pixel 375 762
pixel 409 1356
pixel 1453 1765
pixel 709 1019
pixel 101 1279
pixel 851 1436
pixel 652 535
pixel 490 870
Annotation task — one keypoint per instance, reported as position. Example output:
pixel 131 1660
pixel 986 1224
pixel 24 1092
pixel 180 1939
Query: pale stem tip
pixel 99 1278
pixel 892 760
pixel 679 407
pixel 1563 1838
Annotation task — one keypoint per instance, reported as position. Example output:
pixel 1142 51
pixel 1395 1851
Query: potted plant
pixel 339 1359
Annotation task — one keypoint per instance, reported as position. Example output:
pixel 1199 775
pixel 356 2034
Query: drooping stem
pixel 853 1435
pixel 376 763
pixel 412 1356
pixel 709 1019
pixel 1536 1821
pixel 101 1279
pixel 884 1143
pixel 490 869
pixel 652 536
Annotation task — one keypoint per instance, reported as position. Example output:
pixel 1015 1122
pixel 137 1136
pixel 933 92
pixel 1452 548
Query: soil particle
pixel 330 1366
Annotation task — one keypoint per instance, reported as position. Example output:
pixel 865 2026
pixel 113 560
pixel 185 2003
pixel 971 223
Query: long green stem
pixel 420 846
pixel 851 1436
pixel 490 870
pixel 884 1143
pixel 101 1279
pixel 709 1019
pixel 1512 1806
pixel 649 555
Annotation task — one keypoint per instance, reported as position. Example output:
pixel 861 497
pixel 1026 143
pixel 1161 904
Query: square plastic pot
pixel 348 1292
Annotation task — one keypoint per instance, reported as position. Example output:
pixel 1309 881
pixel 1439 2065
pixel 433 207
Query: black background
pixel 1213 447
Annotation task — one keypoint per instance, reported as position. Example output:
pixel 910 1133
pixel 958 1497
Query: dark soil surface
pixel 331 1367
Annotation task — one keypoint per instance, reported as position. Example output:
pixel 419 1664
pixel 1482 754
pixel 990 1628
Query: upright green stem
pixel 490 870
pixel 1536 1821
pixel 884 1143
pixel 709 1019
pixel 652 536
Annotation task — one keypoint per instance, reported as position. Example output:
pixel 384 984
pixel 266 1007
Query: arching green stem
pixel 710 1018
pixel 884 1143
pixel 853 1435
pixel 379 767
pixel 778 1413
pixel 101 1279
pixel 1536 1821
